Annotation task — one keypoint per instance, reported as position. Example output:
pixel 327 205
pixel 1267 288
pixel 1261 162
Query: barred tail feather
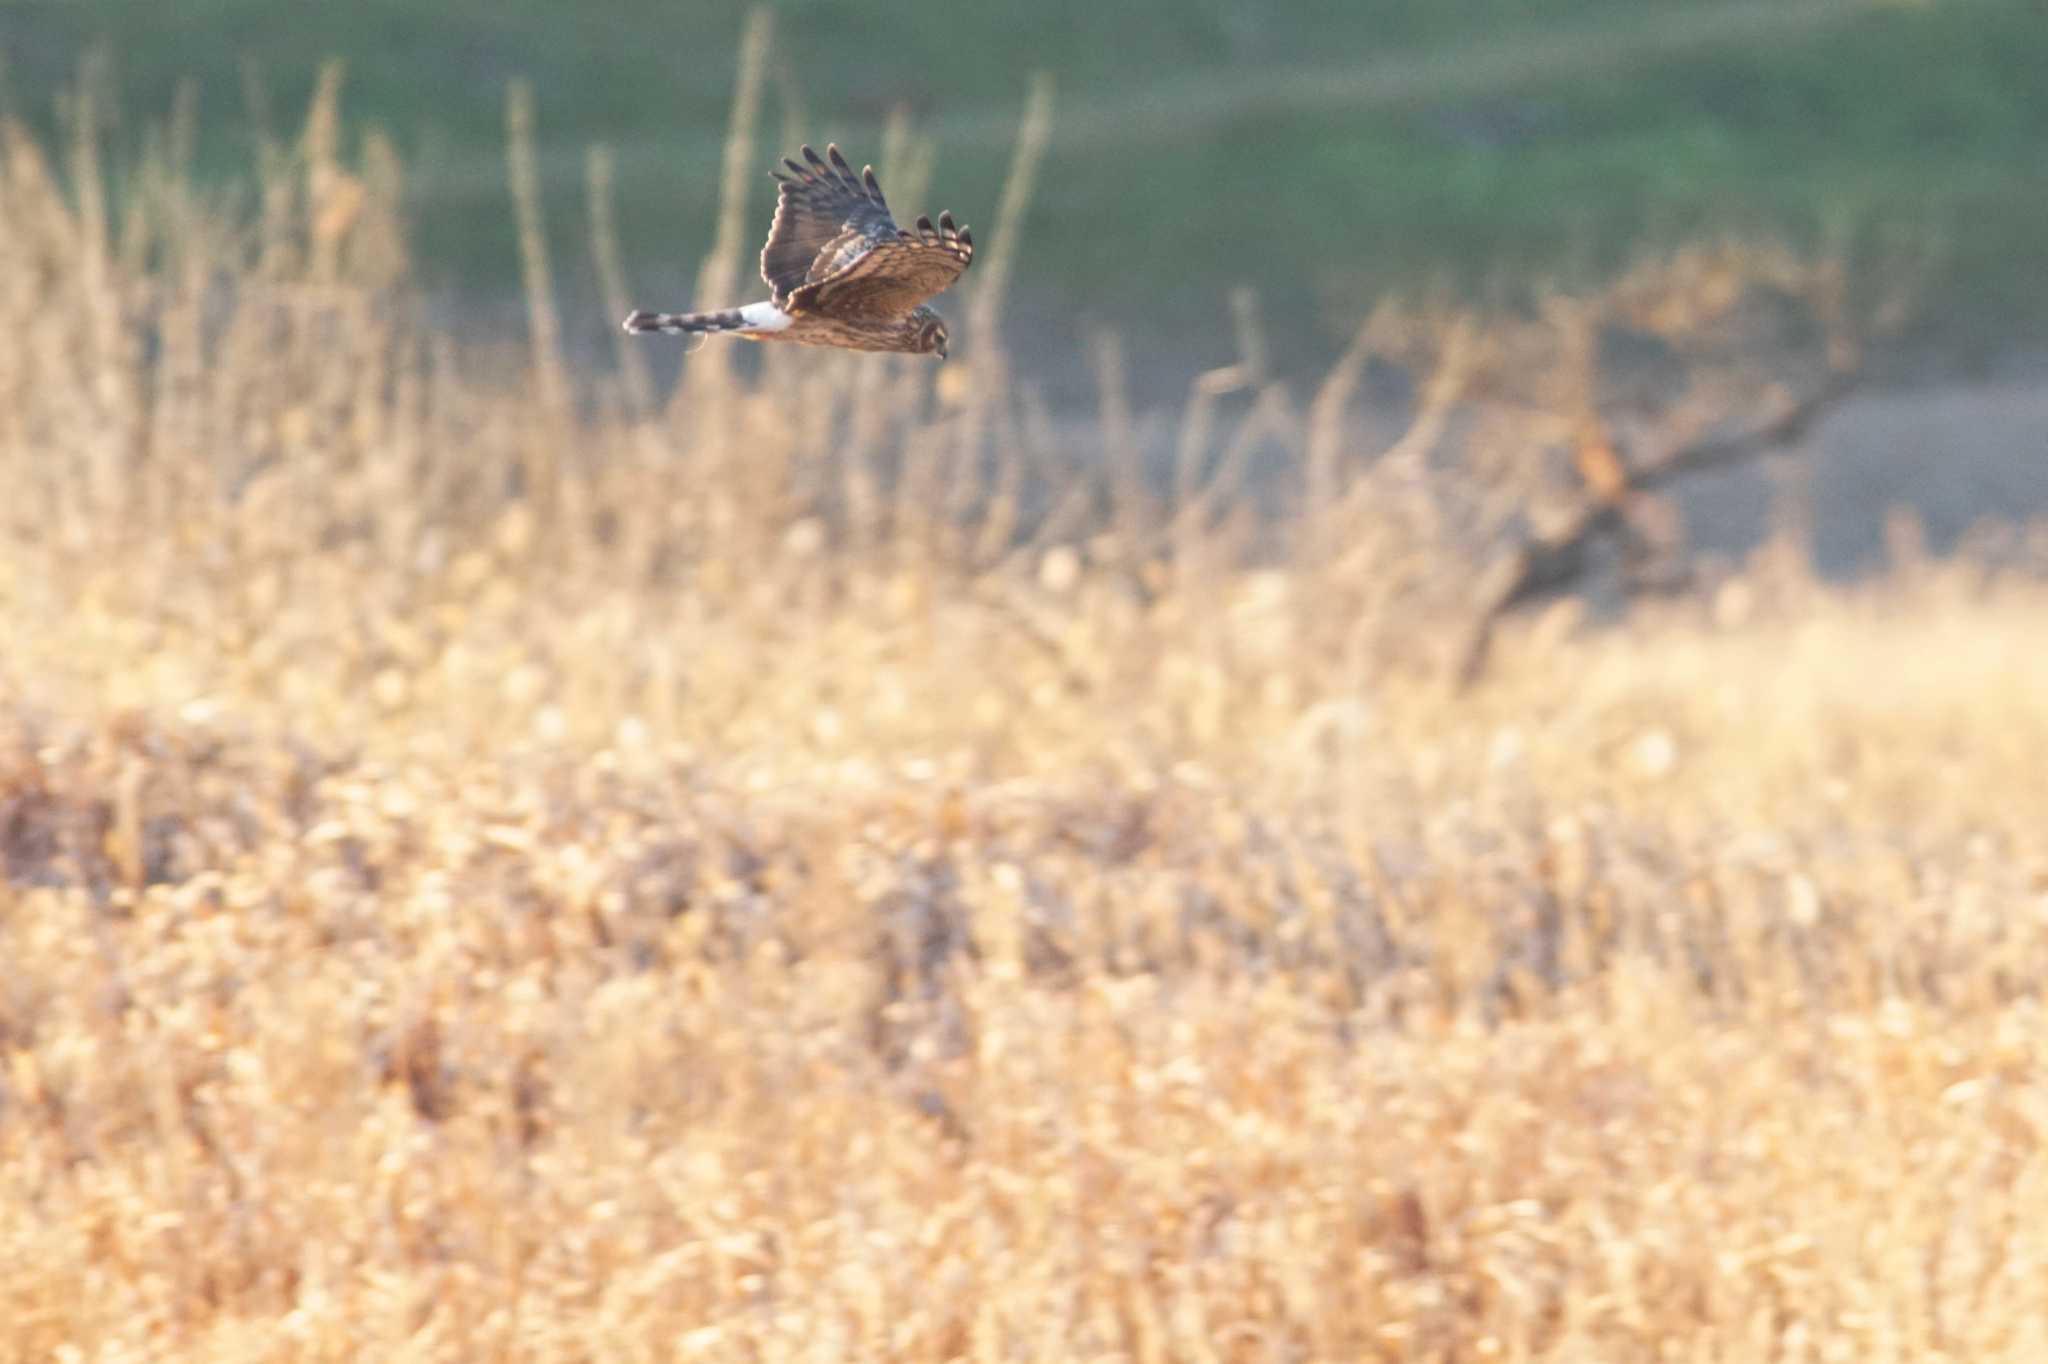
pixel 726 320
pixel 755 317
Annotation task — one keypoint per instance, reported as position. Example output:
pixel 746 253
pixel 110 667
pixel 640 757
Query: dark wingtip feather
pixel 812 157
pixel 967 239
pixel 946 223
pixel 838 161
pixel 794 166
pixel 867 177
pixel 924 224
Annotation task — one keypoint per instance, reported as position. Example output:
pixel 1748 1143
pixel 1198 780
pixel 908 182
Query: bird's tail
pixel 724 320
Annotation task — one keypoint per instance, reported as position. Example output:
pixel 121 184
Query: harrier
pixel 839 270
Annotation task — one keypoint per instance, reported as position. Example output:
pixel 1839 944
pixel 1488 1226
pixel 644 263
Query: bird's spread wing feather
pixel 823 211
pixel 889 277
pixel 834 248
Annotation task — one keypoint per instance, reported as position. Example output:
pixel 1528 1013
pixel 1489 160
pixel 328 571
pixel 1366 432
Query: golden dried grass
pixel 832 881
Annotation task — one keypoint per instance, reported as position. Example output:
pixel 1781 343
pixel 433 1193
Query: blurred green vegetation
pixel 1323 152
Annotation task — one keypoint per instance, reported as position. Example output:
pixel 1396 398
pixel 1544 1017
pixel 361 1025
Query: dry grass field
pixel 498 868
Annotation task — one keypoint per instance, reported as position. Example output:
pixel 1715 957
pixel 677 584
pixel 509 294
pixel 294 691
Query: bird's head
pixel 931 332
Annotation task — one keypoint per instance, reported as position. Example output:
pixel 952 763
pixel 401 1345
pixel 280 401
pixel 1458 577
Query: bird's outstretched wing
pixel 888 278
pixel 822 212
pixel 834 248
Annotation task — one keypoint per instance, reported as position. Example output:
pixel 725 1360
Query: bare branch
pixel 1550 564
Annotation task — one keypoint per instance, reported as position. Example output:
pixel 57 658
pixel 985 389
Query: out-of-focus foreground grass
pixel 799 871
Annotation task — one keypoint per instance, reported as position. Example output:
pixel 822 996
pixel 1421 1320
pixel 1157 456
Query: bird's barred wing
pixel 889 276
pixel 823 215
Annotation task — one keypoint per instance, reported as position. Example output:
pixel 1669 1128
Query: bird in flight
pixel 839 270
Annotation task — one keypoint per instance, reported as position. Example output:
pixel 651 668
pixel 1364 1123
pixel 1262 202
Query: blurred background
pixel 1324 154
pixel 1323 157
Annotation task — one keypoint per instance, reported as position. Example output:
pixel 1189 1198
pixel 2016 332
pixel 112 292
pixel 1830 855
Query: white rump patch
pixel 765 317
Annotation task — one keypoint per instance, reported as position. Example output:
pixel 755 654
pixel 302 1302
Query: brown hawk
pixel 839 270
